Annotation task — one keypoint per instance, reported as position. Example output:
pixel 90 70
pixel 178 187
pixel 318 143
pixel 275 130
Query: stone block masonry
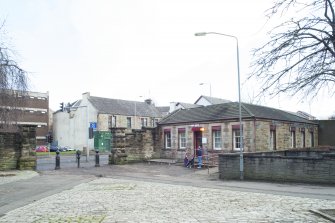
pixel 9 151
pixel 139 145
pixel 16 149
pixel 305 166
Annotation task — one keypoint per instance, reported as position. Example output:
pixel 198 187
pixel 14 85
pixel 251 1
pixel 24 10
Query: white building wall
pixel 203 101
pixel 71 129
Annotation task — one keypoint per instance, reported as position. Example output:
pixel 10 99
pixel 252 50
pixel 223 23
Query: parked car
pixel 63 148
pixel 53 148
pixel 41 149
pixel 69 149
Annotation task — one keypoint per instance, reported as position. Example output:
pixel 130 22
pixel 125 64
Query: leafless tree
pixel 13 85
pixel 300 55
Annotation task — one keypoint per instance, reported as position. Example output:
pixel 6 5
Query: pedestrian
pixel 185 160
pixel 189 158
pixel 190 162
pixel 199 155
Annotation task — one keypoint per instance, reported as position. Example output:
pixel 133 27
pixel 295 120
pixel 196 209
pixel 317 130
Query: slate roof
pixel 123 107
pixel 163 109
pixel 187 105
pixel 229 111
pixel 306 115
pixel 212 100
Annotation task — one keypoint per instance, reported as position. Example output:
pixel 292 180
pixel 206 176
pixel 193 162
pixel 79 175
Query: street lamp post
pixel 135 117
pixel 210 89
pixel 239 95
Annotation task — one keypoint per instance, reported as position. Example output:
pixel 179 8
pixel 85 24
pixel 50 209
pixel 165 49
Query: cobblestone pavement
pixel 108 199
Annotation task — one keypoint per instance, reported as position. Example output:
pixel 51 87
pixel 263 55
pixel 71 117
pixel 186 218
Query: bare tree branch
pixel 300 55
pixel 13 85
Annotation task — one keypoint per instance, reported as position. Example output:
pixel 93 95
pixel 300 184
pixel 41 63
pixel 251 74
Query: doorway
pixel 197 139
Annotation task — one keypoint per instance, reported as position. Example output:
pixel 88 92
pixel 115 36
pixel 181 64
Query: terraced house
pixel 102 114
pixel 217 128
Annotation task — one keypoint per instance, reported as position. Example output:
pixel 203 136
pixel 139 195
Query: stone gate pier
pixel 118 151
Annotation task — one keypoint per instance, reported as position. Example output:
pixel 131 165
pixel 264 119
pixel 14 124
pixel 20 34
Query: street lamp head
pixel 200 34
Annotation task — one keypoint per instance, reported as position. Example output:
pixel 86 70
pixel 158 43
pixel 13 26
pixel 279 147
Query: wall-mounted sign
pixel 93 125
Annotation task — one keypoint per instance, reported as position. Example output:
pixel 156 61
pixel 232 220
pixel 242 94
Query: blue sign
pixel 93 125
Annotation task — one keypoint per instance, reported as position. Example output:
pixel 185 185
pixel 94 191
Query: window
pixel 236 139
pixel 303 138
pixel 129 122
pixel 112 121
pixel 182 138
pixel 273 144
pixel 292 138
pixel 273 139
pixel 154 122
pixel 312 138
pixel 167 138
pixel 144 122
pixel 216 135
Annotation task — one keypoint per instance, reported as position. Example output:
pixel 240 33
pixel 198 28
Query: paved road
pixel 156 193
pixel 67 161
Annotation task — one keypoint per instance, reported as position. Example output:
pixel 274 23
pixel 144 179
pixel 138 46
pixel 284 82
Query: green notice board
pixel 102 141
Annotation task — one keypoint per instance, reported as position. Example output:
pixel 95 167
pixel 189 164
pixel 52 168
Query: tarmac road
pixel 50 182
pixel 46 162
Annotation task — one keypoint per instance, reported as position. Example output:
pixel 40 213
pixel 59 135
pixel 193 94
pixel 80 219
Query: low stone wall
pixel 16 149
pixel 306 166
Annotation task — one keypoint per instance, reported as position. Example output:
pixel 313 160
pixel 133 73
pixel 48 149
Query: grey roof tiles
pixel 228 111
pixel 123 107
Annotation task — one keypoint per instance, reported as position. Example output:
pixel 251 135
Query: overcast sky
pixel 136 49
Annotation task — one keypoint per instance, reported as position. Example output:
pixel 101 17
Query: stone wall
pixel 283 135
pixel 307 166
pixel 27 160
pixel 16 149
pixel 105 122
pixel 139 145
pixel 9 151
pixel 256 136
pixel 118 151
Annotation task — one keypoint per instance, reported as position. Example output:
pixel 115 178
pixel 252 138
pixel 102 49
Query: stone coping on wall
pixel 330 152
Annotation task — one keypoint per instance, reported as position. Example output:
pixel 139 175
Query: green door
pixel 102 141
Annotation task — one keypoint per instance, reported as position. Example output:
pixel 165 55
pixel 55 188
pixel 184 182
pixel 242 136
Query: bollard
pixel 78 158
pixel 97 158
pixel 57 160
